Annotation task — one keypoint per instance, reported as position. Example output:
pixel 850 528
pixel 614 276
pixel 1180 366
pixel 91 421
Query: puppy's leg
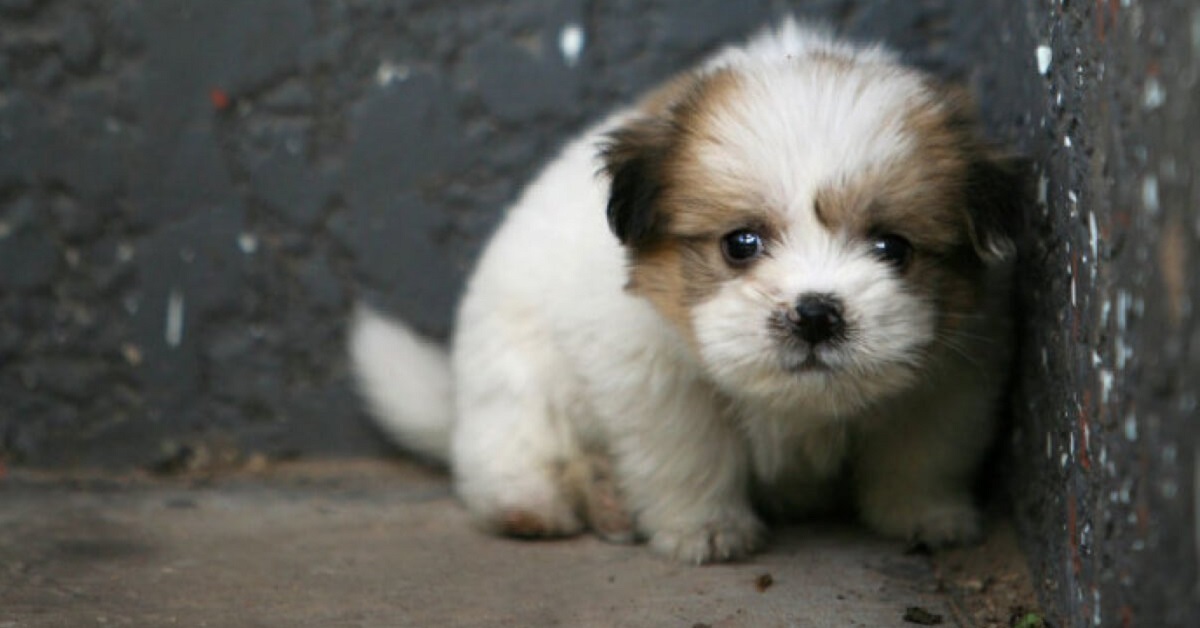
pixel 510 458
pixel 598 497
pixel 914 473
pixel 684 472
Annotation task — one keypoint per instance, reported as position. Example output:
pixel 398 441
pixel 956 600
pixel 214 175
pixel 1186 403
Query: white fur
pixel 406 380
pixel 553 360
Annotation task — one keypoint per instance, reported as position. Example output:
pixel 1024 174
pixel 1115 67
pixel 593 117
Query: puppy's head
pixel 819 228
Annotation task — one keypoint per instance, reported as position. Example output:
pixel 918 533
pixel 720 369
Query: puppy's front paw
pixel 929 522
pixel 719 539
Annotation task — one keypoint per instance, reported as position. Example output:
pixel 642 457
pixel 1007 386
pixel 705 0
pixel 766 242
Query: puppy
pixel 776 281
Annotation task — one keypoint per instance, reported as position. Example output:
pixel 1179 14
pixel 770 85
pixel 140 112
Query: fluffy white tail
pixel 406 381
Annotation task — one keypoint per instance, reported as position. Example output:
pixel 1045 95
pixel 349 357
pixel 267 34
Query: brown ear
pixel 997 192
pixel 634 156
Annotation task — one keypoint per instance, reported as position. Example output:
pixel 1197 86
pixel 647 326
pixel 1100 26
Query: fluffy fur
pixel 653 385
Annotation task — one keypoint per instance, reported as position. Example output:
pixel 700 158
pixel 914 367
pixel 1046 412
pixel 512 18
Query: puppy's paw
pixel 935 524
pixel 530 516
pixel 527 523
pixel 720 539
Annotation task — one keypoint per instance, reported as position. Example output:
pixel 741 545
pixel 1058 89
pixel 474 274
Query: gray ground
pixel 381 544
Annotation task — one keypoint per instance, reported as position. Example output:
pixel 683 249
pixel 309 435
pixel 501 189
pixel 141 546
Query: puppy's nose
pixel 818 318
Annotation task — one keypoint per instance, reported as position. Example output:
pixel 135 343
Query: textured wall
pixel 1104 461
pixel 193 193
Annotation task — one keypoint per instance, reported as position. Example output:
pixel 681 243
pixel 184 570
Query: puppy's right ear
pixel 634 158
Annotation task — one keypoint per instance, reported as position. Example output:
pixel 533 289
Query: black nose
pixel 818 318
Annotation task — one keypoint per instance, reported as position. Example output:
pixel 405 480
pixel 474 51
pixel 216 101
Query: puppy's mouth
pixel 804 362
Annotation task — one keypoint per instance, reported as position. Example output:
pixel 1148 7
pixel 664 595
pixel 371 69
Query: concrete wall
pixel 193 194
pixel 1104 465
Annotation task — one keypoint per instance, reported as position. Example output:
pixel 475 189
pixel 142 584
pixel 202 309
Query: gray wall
pixel 1105 460
pixel 193 194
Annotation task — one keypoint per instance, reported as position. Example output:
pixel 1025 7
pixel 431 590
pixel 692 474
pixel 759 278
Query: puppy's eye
pixel 893 250
pixel 741 246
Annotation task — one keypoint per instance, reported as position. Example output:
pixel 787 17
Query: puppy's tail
pixel 406 381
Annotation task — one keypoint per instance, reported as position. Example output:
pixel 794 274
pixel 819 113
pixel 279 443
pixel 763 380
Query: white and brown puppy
pixel 806 294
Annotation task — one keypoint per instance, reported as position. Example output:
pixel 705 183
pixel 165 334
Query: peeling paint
pixel 248 243
pixel 571 40
pixel 1153 94
pixel 390 72
pixel 1094 236
pixel 1150 194
pixel 1044 57
pixel 173 333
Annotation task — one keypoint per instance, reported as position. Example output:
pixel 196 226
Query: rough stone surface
pixel 1103 458
pixel 193 195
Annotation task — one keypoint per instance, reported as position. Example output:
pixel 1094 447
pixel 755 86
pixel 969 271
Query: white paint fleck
pixel 1153 94
pixel 1106 385
pixel 1105 310
pixel 125 252
pixel 1150 194
pixel 1096 360
pixel 1073 303
pixel 390 72
pixel 1131 427
pixel 248 243
pixel 1065 460
pixel 1096 607
pixel 570 42
pixel 1071 444
pixel 1067 141
pixel 1044 57
pixel 174 328
pixel 1094 233
pixel 1072 196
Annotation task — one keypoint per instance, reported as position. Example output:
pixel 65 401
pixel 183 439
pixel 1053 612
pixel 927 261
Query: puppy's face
pixel 819 230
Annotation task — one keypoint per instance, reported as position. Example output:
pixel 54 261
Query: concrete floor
pixel 383 544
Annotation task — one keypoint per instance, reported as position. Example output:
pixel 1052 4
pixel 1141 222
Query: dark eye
pixel 892 249
pixel 741 246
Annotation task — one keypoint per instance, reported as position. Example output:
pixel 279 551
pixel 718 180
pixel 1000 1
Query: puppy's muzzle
pixel 817 318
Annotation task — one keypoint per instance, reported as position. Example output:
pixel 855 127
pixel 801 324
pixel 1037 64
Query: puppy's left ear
pixel 634 159
pixel 997 193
